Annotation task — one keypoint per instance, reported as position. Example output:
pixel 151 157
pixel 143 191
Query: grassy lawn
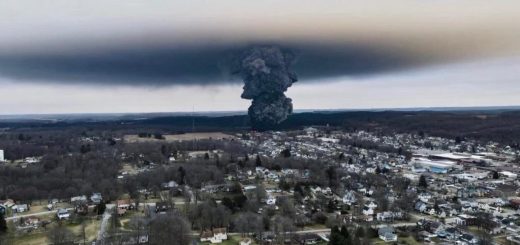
pixel 315 227
pixel 91 229
pixel 35 238
pixel 37 207
pixel 409 240
pixel 232 240
pixel 400 240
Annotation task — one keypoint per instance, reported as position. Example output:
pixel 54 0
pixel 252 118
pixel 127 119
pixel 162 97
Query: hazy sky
pixel 147 56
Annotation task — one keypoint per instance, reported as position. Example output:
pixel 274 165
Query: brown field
pixel 180 137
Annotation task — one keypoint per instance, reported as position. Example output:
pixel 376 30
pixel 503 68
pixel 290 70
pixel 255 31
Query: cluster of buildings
pixel 448 188
pixel 465 180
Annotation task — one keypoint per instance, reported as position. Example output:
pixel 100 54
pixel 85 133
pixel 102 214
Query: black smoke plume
pixel 267 76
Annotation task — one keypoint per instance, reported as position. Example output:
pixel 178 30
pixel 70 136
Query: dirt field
pixel 180 137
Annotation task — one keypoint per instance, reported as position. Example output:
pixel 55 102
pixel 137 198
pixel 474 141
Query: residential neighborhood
pixel 311 186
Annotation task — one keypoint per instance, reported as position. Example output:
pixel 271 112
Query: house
pixel 465 220
pixel 424 197
pixel 271 200
pixel 7 203
pixel 216 235
pixel 78 199
pixel 20 208
pixel 169 185
pixel 387 234
pixel 62 214
pixel 248 188
pixel 515 239
pixel 143 239
pixel 366 192
pixel 246 241
pixel 220 233
pixel 96 198
pixel 433 227
pixel 515 203
pixel 371 205
pixel 368 211
pixel 163 207
pixel 307 238
pixel 125 204
pixel 494 228
pixel 420 206
pixel 388 216
pixel 468 238
pixel 452 233
pixel 81 209
pixel 349 198
pixel 31 222
pixel 430 210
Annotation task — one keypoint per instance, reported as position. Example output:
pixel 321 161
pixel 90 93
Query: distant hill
pixel 501 125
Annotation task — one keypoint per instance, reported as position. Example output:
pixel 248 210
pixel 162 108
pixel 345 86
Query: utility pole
pixel 193 126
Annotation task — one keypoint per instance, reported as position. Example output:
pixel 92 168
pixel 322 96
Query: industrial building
pixel 434 166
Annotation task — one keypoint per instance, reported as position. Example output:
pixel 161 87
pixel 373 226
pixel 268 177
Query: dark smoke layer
pixel 267 76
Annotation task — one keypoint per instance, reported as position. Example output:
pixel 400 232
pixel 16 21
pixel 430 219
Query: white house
pixel 96 198
pixel 508 174
pixel 217 235
pixel 424 197
pixel 20 208
pixel 368 211
pixel 349 198
pixel 271 200
pixel 387 234
pixel 169 185
pixel 371 205
pixel 246 241
pixel 78 199
pixel 62 214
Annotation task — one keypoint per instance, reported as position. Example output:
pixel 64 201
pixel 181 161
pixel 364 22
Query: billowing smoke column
pixel 266 74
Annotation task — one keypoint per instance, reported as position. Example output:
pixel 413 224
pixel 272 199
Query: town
pixel 317 185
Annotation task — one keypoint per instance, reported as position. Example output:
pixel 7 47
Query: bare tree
pixel 283 228
pixel 140 226
pixel 170 228
pixel 60 235
pixel 249 222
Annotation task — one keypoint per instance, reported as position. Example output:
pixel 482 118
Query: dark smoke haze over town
pixel 347 54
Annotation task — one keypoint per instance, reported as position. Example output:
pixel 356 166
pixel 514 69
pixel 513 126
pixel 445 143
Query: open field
pixel 91 229
pixel 232 240
pixel 401 240
pixel 35 238
pixel 179 137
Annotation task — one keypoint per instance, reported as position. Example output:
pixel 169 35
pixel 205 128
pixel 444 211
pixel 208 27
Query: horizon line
pixel 429 108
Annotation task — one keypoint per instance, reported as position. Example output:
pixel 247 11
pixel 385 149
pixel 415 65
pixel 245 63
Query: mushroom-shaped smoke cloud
pixel 267 75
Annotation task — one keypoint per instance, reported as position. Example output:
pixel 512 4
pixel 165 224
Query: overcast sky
pixel 66 56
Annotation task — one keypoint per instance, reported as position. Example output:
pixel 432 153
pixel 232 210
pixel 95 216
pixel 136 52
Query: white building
pixel 216 235
pixel 508 175
pixel 387 234
pixel 62 214
pixel 2 159
pixel 271 200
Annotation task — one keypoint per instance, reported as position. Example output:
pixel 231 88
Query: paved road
pixel 35 214
pixel 104 222
pixel 71 209
pixel 406 224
